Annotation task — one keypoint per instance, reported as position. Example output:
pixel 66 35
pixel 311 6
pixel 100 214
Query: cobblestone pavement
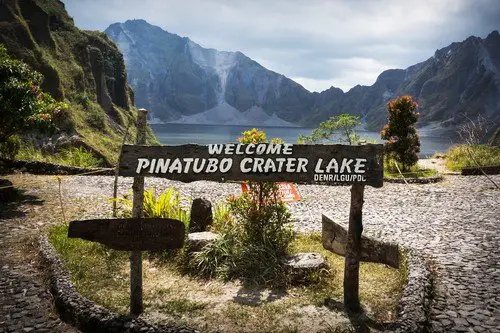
pixel 25 303
pixel 455 223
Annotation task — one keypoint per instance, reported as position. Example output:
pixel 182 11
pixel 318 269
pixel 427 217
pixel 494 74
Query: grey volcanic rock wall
pixel 175 78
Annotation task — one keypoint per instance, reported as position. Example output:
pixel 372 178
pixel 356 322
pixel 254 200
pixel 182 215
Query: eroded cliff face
pixel 177 79
pixel 181 81
pixel 83 68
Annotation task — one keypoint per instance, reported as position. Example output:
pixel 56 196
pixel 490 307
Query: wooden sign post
pixel 353 249
pixel 309 164
pixel 137 212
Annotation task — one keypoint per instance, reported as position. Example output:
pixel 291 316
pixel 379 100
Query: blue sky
pixel 318 43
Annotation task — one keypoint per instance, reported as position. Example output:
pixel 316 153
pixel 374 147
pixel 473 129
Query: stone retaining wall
pixel 87 316
pixel 413 308
pixel 83 313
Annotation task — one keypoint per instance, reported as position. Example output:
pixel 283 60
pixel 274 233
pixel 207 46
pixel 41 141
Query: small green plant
pixel 459 156
pixel 223 220
pixel 166 205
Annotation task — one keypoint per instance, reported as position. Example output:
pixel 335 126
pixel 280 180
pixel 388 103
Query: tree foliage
pixel 342 125
pixel 22 103
pixel 403 143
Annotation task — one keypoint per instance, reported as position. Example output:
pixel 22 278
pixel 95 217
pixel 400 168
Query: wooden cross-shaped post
pixel 137 212
pixel 353 249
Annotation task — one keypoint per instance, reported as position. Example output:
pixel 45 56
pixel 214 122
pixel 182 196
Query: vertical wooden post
pixel 137 212
pixel 115 184
pixel 353 250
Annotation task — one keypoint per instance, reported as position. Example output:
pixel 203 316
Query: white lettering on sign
pixel 257 162
pixel 250 149
pixel 345 166
pixel 338 178
pixel 249 164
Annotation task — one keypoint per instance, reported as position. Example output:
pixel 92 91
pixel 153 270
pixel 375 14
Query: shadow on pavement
pixel 12 199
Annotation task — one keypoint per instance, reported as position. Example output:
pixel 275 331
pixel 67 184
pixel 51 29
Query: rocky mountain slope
pixel 176 78
pixel 183 82
pixel 83 68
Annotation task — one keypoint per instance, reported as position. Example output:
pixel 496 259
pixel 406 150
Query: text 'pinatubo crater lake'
pixel 178 134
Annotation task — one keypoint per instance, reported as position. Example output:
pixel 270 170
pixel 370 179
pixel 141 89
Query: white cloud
pixel 318 42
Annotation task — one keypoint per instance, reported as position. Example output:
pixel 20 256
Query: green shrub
pixel 23 105
pixel 255 232
pixel 218 259
pixel 464 156
pixel 77 156
pixel 402 141
pixel 10 148
pixel 223 220
pixel 95 116
pixel 166 205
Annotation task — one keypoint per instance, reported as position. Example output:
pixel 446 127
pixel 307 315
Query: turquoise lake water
pixel 177 134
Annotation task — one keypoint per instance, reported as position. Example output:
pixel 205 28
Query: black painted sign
pixel 134 234
pixel 310 164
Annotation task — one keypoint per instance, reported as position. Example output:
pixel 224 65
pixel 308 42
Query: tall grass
pixel 74 156
pixel 97 272
pixel 415 171
pixel 465 156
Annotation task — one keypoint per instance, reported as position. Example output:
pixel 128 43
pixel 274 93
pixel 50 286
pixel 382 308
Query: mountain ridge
pixel 459 81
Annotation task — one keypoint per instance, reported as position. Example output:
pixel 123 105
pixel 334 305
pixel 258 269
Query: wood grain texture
pixel 131 234
pixel 334 238
pixel 373 169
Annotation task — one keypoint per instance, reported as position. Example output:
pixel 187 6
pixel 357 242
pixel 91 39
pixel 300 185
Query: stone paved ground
pixel 455 223
pixel 25 303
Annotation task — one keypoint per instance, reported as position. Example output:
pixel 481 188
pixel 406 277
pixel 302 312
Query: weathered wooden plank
pixel 310 164
pixel 334 238
pixel 132 234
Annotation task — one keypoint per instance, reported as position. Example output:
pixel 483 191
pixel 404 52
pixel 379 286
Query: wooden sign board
pixel 134 234
pixel 309 164
pixel 288 192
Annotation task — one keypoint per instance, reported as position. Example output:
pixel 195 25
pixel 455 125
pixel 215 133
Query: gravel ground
pixel 455 223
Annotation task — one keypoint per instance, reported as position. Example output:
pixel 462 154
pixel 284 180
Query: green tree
pixel 403 143
pixel 343 125
pixel 22 104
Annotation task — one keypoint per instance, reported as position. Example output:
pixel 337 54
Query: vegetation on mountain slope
pixel 82 68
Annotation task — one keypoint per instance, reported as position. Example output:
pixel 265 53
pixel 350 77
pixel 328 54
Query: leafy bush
pixel 255 234
pixel 22 103
pixel 10 148
pixel 459 157
pixel 403 143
